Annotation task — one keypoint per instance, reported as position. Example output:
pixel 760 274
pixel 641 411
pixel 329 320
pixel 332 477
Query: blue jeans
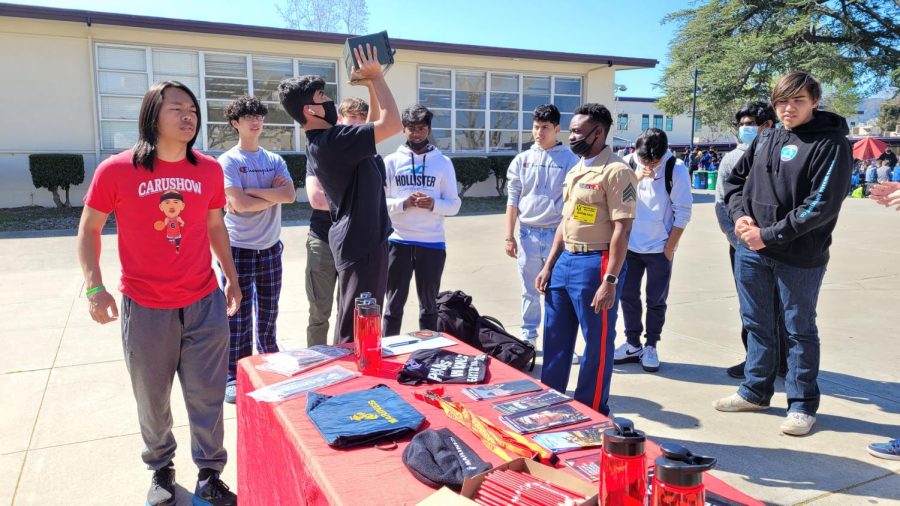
pixel 798 289
pixel 659 273
pixel 567 303
pixel 534 248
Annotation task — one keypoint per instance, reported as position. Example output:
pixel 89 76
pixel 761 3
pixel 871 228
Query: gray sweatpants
pixel 192 341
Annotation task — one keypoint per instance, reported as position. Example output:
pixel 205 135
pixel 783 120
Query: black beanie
pixel 439 457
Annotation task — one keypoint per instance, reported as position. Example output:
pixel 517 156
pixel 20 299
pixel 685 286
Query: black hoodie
pixel 792 183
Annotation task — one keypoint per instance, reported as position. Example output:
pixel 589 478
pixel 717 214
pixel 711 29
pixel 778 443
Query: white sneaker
pixel 734 403
pixel 797 424
pixel 627 354
pixel 650 359
pixel 531 340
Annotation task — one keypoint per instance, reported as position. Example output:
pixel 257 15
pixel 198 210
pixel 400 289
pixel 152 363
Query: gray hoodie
pixel 535 184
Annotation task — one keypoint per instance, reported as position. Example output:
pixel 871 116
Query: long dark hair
pixel 144 151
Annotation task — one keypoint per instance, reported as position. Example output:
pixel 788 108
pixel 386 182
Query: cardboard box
pixel 445 496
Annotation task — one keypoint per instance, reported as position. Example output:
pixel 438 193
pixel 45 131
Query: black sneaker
pixel 214 493
pixel 736 371
pixel 162 487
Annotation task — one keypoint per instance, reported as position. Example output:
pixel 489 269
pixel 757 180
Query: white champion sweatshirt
pixel 430 173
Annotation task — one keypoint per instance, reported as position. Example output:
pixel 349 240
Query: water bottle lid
pixel 623 439
pixel 679 467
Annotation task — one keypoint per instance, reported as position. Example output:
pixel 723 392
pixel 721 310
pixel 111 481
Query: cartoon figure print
pixel 171 203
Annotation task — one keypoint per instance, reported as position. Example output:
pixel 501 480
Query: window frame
pixel 202 142
pixel 522 130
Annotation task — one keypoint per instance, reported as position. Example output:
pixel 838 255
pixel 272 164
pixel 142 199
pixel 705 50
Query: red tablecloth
pixel 283 460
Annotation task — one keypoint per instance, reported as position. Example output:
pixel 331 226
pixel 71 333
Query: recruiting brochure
pixel 545 418
pixel 407 343
pixel 293 387
pixel 291 362
pixel 506 389
pixel 530 402
pixel 586 465
pixel 578 438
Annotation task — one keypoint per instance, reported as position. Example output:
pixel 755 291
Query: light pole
pixel 694 110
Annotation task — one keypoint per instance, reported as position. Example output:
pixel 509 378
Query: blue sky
pixel 607 27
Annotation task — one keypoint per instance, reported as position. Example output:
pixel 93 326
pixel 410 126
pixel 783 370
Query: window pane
pixel 441 139
pixel 669 124
pixel 277 115
pixel 193 83
pixel 470 140
pixel 469 119
pixel 505 120
pixel 221 87
pixel 536 85
pixel 645 121
pixel 504 141
pixel 471 81
pixel 225 65
pixel 332 91
pixel 118 134
pixel 215 110
pixel 434 78
pixel 267 75
pixel 470 100
pixel 531 102
pixel 121 83
pixel 175 63
pixel 277 138
pixel 623 122
pixel 527 140
pixel 221 137
pixel 324 69
pixel 505 82
pixel 564 120
pixel 441 118
pixel 657 121
pixel 505 101
pixel 120 58
pixel 566 104
pixel 119 108
pixel 568 86
pixel 527 120
pixel 435 98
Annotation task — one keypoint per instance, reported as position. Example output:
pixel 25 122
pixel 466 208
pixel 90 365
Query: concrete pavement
pixel 68 425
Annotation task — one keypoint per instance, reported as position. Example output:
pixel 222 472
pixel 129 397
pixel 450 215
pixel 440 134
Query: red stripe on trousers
pixel 598 392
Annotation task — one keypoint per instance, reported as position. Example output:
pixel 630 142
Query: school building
pixel 75 80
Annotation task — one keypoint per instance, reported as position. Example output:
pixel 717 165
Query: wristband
pixel 509 239
pixel 96 289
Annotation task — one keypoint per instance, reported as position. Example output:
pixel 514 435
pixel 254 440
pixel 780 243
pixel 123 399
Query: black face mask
pixel 581 147
pixel 417 146
pixel 331 115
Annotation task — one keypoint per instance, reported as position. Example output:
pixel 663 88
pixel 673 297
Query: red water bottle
pixel 623 467
pixel 364 298
pixel 368 338
pixel 678 478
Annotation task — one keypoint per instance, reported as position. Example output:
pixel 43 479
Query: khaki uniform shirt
pixel 593 197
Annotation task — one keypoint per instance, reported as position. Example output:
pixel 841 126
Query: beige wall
pixel 52 96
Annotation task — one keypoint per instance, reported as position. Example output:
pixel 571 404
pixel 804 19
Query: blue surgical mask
pixel 747 133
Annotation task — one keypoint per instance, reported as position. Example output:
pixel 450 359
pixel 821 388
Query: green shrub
pixel 56 170
pixel 296 164
pixel 470 170
pixel 499 165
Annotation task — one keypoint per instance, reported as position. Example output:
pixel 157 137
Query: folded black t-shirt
pixel 344 159
pixel 441 366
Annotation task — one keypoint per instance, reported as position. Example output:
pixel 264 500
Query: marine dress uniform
pixel 597 192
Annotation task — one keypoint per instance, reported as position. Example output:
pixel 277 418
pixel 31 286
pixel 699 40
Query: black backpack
pixel 459 318
pixel 670 170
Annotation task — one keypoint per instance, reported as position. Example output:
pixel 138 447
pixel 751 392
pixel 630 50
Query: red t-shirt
pixel 161 218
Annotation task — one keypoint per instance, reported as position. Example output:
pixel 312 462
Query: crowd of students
pixel 591 227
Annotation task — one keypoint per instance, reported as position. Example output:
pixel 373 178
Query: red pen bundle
pixel 505 486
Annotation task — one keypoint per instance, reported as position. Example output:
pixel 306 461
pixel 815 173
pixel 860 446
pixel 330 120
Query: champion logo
pixel 628 194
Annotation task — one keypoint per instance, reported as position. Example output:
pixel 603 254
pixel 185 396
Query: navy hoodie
pixel 792 183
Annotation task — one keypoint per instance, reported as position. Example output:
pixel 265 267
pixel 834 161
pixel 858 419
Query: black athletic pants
pixel 428 264
pixel 368 274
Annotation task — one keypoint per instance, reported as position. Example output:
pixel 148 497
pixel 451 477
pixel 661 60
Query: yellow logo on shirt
pixel 585 213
